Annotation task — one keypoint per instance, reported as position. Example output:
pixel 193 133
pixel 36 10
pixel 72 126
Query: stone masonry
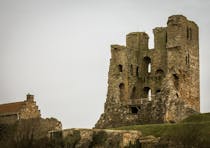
pixel 154 85
pixel 11 112
pixel 103 138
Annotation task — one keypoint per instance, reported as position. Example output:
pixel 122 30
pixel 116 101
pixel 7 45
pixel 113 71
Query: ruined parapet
pixel 154 85
pixel 85 138
pixel 137 40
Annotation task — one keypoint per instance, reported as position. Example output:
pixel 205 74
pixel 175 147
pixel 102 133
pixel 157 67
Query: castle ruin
pixel 154 85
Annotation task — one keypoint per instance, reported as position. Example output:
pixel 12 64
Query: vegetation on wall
pixel 191 132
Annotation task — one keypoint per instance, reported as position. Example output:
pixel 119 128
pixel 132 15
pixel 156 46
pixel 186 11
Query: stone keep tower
pixel 154 85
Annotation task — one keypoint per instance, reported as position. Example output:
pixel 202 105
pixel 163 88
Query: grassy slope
pixel 195 128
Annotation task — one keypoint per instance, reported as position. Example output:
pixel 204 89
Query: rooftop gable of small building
pixel 14 107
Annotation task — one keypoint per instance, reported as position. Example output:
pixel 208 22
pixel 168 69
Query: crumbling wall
pixel 8 118
pixel 29 110
pixel 154 85
pixel 95 138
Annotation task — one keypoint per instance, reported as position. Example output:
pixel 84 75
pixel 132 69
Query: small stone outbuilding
pixel 11 112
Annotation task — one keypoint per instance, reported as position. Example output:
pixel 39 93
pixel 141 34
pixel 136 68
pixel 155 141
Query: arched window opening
pixel 159 73
pixel 147 93
pixel 131 69
pixel 137 71
pixel 187 59
pixel 189 33
pixel 120 68
pixel 122 91
pixel 134 109
pixel 147 64
pixel 149 68
pixel 158 91
pixel 133 94
pixel 176 81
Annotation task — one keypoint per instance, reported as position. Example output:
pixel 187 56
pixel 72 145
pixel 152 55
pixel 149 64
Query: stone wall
pixel 29 110
pixel 8 118
pixel 154 85
pixel 95 138
pixel 36 127
pixel 28 133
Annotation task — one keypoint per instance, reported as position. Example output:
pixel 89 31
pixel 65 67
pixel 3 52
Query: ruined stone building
pixel 154 85
pixel 11 112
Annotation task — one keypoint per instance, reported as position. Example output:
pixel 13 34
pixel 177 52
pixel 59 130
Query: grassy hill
pixel 193 131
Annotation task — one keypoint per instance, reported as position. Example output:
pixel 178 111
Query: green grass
pixel 149 129
pixel 194 131
pixel 197 123
pixel 205 117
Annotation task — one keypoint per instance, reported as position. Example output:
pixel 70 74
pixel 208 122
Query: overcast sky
pixel 59 50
